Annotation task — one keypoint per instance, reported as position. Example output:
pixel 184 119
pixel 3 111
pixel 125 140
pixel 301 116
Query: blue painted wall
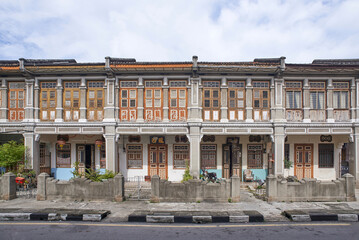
pixel 102 170
pixel 2 170
pixel 62 173
pixel 259 174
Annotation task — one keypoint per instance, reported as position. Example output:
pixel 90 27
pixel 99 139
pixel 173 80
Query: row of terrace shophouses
pixel 147 118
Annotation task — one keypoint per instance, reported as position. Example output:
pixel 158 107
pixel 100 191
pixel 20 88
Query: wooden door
pixel 303 167
pixel 157 160
pixel 16 101
pixel 232 160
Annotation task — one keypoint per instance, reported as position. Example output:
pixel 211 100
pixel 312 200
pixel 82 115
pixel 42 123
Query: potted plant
pixel 287 165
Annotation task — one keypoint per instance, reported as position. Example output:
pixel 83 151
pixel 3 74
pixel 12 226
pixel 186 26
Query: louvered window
pixel 180 155
pixel 326 155
pixel 134 156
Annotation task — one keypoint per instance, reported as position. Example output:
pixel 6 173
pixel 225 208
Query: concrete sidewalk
pixel 120 212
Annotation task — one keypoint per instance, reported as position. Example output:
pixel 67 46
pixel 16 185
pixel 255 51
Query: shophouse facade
pixel 150 118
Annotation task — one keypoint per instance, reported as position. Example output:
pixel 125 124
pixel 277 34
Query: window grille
pixel 16 85
pixel 293 85
pixel 178 84
pixel 209 156
pixel 103 156
pixel 48 85
pixel 317 100
pixel 128 84
pixel 236 84
pixel 153 83
pixel 211 84
pixel 180 155
pixel 255 157
pixel 341 85
pixel 317 85
pixel 72 84
pixel 326 155
pixel 261 84
pixel 63 156
pixel 134 156
pixel 95 84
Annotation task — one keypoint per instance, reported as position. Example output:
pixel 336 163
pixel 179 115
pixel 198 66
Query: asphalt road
pixel 79 231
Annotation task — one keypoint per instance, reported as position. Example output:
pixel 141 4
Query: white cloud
pixel 177 29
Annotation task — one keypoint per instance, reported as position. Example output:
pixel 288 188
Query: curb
pixel 301 216
pixel 52 217
pixel 249 216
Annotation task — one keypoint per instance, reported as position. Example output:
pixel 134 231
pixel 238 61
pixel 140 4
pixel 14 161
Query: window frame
pixel 236 98
pixel 181 152
pixel 317 90
pixel 326 152
pixel 139 160
pixel 153 108
pixel 128 113
pixel 18 111
pixel 206 151
pixel 211 100
pixel 48 109
pixel 261 99
pixel 341 90
pixel 72 109
pixel 62 150
pixel 96 108
pixel 178 109
pixel 293 90
pixel 252 166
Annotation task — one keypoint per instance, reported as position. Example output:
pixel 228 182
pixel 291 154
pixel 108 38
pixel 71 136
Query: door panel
pixel 157 161
pixel 303 167
pixel 232 160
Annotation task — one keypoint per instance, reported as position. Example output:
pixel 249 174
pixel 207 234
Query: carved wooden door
pixel 303 167
pixel 157 160
pixel 232 160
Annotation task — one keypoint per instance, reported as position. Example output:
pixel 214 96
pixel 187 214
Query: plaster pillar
pixel 29 103
pixel 330 109
pixel 352 100
pixel 224 102
pixel 4 107
pixel 112 163
pixel 36 101
pixel 278 100
pixel 354 157
pixel 140 98
pixel 249 102
pixel 59 96
pixel 195 111
pixel 195 151
pixel 83 100
pixel 306 101
pixel 279 140
pixel 32 148
pixel 165 88
pixel 109 108
pixel 357 99
pixel 117 99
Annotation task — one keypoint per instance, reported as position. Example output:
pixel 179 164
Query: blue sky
pixel 89 30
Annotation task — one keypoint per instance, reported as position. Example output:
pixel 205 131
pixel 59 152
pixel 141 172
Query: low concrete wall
pixel 194 190
pixel 342 189
pixel 7 186
pixel 80 189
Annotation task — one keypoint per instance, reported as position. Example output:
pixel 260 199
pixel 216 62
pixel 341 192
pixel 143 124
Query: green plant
pixel 93 175
pixel 287 163
pixel 198 201
pixel 11 154
pixel 107 175
pixel 76 172
pixel 187 176
pixel 229 200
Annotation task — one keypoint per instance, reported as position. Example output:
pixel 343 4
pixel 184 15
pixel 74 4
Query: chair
pixel 248 175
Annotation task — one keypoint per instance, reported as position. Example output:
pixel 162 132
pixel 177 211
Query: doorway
pixel 232 160
pixel 157 160
pixel 86 155
pixel 303 166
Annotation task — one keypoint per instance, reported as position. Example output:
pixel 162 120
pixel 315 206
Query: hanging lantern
pixel 99 143
pixel 61 142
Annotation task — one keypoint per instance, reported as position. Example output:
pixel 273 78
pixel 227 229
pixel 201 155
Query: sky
pixel 175 30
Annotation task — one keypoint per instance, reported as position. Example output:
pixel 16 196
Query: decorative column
pixel 195 111
pixel 165 88
pixel 224 97
pixel 140 100
pixel 4 108
pixel 352 100
pixel 354 156
pixel 83 100
pixel 278 101
pixel 109 108
pixel 357 99
pixel 59 108
pixel 117 99
pixel 195 150
pixel 36 101
pixel 32 156
pixel 279 140
pixel 249 102
pixel 111 149
pixel 29 105
pixel 306 101
pixel 330 109
pixel 189 102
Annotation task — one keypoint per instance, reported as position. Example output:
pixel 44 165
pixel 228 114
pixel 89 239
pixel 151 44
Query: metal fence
pixel 136 188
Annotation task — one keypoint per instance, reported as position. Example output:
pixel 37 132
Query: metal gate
pixel 136 188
